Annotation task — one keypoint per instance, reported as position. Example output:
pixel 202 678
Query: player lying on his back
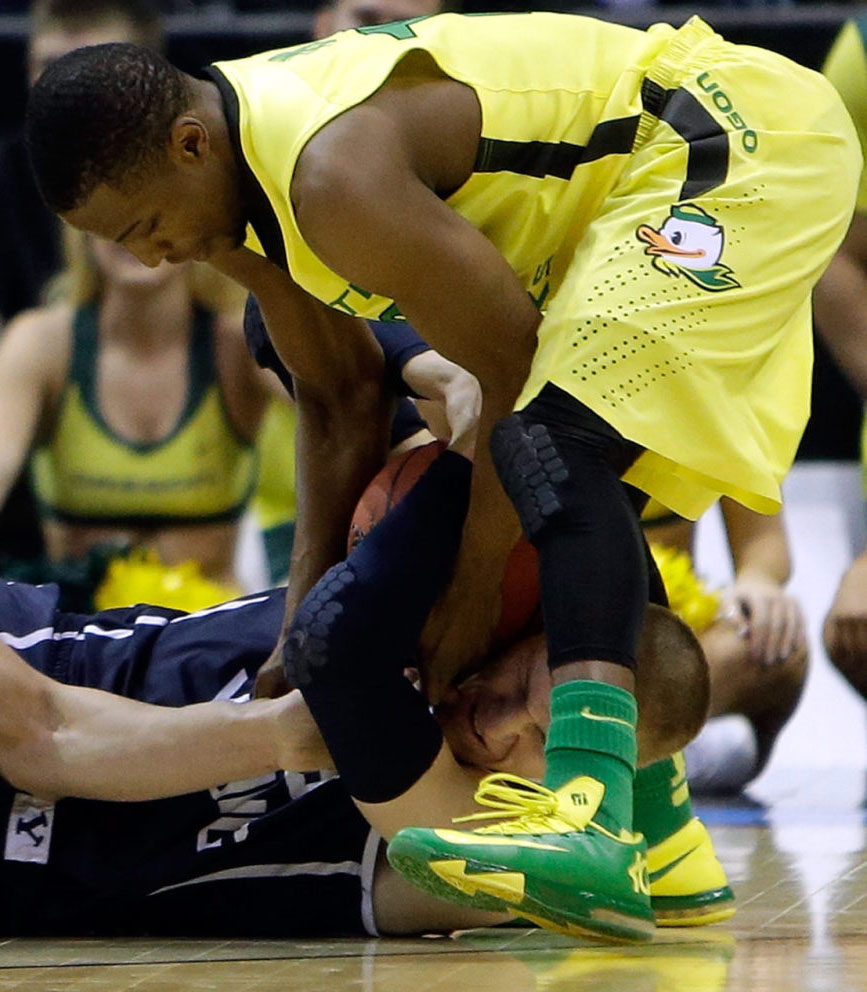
pixel 347 649
pixel 205 863
pixel 192 864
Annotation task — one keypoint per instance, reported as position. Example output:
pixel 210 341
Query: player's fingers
pixel 271 681
pixel 789 628
pixel 732 611
pixel 785 631
pixel 761 618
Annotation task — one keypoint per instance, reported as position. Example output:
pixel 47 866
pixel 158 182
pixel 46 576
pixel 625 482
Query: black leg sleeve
pixel 359 626
pixel 561 465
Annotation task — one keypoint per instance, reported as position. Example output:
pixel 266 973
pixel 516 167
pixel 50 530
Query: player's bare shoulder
pixel 419 122
pixel 38 342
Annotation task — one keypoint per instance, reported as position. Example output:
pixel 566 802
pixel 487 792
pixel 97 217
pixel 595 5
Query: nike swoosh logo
pixel 655 876
pixel 589 715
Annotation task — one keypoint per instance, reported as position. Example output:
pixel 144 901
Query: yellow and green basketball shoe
pixel 688 886
pixel 548 862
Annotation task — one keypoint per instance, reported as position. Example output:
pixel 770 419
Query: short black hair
pixel 101 114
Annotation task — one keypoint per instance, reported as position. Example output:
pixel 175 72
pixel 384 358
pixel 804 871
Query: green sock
pixel 661 799
pixel 593 733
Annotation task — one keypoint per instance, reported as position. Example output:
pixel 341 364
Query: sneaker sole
pixel 598 922
pixel 706 908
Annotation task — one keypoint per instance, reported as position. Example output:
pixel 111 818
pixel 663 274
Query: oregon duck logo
pixel 689 243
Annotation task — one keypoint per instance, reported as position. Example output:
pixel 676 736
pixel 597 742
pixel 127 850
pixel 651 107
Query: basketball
pixel 520 600
pixel 389 486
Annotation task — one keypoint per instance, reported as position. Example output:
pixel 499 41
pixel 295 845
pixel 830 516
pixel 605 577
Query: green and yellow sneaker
pixel 549 862
pixel 688 886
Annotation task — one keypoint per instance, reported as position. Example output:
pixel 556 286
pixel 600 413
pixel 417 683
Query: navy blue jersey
pixel 282 855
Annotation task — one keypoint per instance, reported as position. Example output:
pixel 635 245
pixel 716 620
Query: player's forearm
pixel 338 451
pixel 95 745
pixel 758 543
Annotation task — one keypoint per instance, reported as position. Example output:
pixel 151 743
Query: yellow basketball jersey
pixel 541 103
pixel 202 471
pixel 599 145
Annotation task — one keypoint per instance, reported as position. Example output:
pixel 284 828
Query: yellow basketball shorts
pixel 683 317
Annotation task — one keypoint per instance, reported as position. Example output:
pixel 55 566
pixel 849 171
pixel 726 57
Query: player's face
pixel 178 213
pixel 499 717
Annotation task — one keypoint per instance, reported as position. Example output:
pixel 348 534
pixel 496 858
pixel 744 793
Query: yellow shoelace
pixel 527 807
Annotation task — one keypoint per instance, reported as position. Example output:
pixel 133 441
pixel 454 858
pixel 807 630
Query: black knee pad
pixel 561 466
pixel 531 470
pixel 359 626
pixel 307 645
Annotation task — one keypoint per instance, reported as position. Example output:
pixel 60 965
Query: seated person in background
pixel 756 647
pixel 840 303
pixel 30 249
pixel 136 397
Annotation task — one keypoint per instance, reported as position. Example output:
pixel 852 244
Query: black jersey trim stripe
pixel 557 159
pixel 708 162
pixel 257 206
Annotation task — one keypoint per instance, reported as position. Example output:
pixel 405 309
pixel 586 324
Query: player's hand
pixel 300 746
pixel 457 391
pixel 271 678
pixel 770 621
pixel 845 628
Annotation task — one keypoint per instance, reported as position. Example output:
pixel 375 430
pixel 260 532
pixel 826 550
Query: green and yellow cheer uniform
pixel 203 471
pixel 654 191
pixel 274 500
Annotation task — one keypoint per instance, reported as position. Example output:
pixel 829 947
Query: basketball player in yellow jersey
pixel 615 230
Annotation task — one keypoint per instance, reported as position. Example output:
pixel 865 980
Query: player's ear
pixel 189 140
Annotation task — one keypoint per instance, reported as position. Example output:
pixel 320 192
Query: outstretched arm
pixel 63 740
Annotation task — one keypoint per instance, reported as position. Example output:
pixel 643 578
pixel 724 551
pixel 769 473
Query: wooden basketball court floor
pixel 798 864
